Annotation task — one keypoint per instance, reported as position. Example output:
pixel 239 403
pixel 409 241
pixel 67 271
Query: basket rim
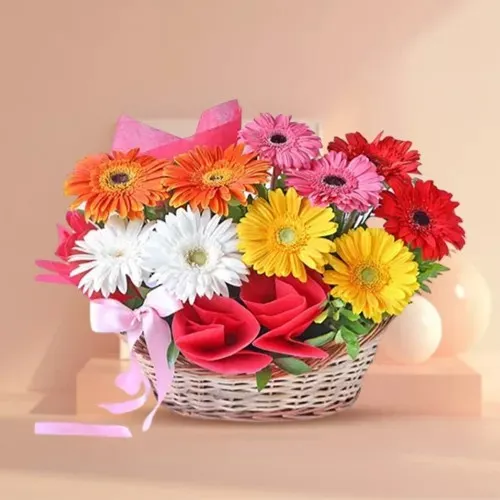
pixel 335 351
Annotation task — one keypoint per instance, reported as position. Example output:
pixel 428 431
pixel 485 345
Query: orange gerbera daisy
pixel 118 182
pixel 208 177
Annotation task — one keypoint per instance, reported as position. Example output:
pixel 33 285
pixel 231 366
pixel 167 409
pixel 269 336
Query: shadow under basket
pixel 332 385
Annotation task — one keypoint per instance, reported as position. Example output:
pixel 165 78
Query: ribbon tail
pixel 77 429
pixel 158 337
pixel 130 382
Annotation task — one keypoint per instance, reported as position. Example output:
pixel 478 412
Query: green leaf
pixel 418 254
pixel 321 339
pixel 339 303
pixel 262 191
pixel 236 212
pixel 293 366
pixel 322 317
pixel 135 302
pixel 338 337
pixel 348 314
pixel 353 349
pixel 358 328
pixel 234 202
pixel 172 354
pixel 263 377
pixel 348 335
pixel 150 213
pixel 280 182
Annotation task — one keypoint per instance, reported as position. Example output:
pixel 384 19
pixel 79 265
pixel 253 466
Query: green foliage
pixel 234 202
pixel 293 366
pixel 353 349
pixel 263 377
pixel 280 182
pixel 172 354
pixel 262 191
pixel 236 212
pixel 427 270
pixel 321 339
pixel 135 302
pixel 345 326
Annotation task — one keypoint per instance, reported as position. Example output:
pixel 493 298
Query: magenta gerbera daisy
pixel 334 180
pixel 279 140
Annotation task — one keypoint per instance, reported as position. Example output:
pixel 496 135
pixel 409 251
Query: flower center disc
pixel 334 180
pixel 277 139
pixel 217 177
pixel 119 178
pixel 287 236
pixel 369 275
pixel 421 218
pixel 119 175
pixel 197 257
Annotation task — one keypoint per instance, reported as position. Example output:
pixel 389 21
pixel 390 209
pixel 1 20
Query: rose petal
pixel 314 291
pixel 281 339
pixel 217 329
pixel 245 362
pixel 278 312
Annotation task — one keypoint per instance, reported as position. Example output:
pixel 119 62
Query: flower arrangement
pixel 260 244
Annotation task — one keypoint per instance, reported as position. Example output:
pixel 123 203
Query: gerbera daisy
pixel 209 177
pixel 194 254
pixel 423 216
pixel 108 256
pixel 282 236
pixel 391 156
pixel 333 180
pixel 77 228
pixel 286 144
pixel 373 272
pixel 118 182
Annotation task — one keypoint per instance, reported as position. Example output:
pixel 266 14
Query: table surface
pixel 356 454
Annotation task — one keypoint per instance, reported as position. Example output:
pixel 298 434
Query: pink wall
pixel 422 69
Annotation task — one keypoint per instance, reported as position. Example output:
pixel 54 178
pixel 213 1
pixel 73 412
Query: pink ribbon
pixel 217 126
pixel 111 316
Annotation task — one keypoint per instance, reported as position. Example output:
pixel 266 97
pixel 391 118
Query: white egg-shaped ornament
pixel 463 299
pixel 413 336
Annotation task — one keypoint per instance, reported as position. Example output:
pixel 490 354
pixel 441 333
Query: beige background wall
pixel 428 70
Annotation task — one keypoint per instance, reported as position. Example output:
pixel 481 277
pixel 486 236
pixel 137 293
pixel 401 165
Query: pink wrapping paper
pixel 217 126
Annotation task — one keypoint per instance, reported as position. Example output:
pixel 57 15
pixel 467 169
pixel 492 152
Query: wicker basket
pixel 332 385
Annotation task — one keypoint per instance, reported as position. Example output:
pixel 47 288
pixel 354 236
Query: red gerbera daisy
pixel 423 216
pixel 391 156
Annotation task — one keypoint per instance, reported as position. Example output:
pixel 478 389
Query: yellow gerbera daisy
pixel 282 236
pixel 373 272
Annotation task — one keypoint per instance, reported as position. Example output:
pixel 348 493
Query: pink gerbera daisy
pixel 279 140
pixel 333 180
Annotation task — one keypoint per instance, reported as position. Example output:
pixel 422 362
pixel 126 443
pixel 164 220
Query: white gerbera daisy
pixel 194 254
pixel 111 255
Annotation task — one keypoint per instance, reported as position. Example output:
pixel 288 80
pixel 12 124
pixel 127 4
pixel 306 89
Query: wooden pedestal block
pixel 439 387
pixel 443 387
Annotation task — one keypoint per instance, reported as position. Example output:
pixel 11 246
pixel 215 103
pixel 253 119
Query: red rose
pixel 287 307
pixel 215 334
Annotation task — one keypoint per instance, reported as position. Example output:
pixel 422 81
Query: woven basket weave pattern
pixel 331 386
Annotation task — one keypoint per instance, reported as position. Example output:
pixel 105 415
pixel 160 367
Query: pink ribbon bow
pixel 111 316
pixel 217 126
